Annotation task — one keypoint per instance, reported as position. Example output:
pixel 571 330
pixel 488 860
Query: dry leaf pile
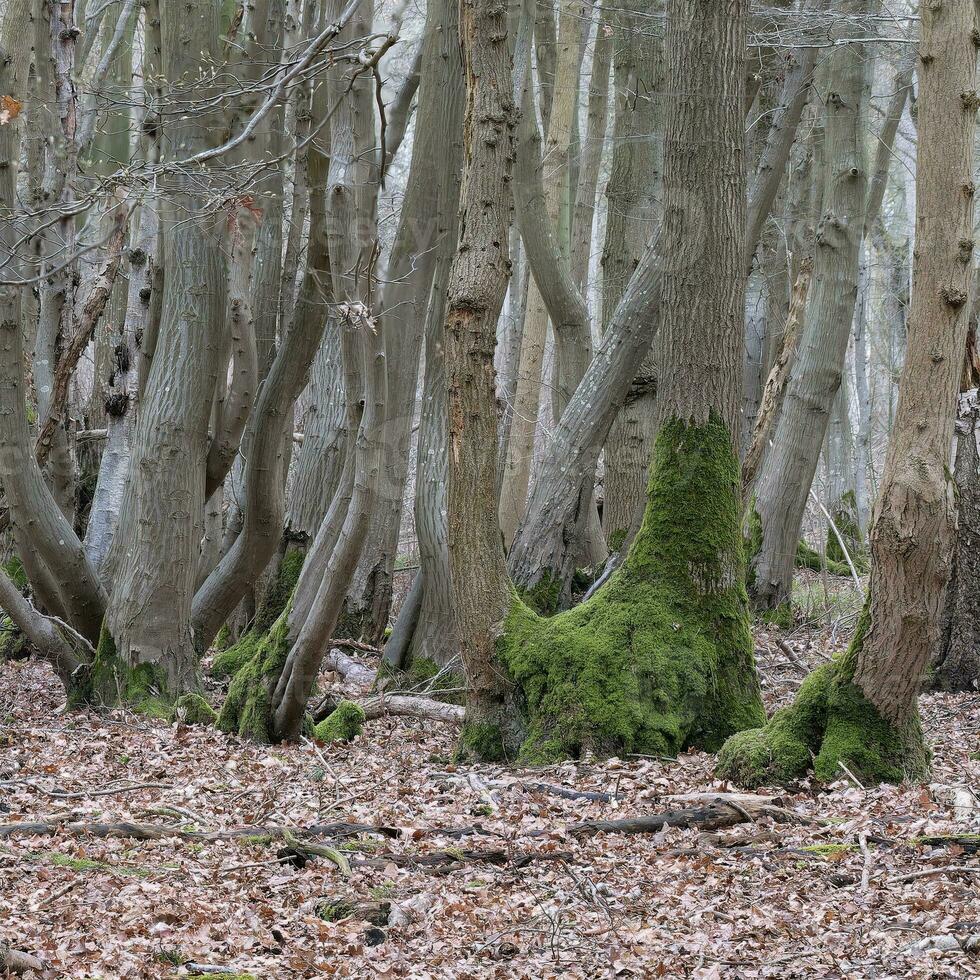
pixel 865 882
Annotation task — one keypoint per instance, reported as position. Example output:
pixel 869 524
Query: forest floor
pixel 847 890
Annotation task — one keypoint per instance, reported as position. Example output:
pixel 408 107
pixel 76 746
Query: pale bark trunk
pixel 783 486
pixel 160 526
pixel 431 194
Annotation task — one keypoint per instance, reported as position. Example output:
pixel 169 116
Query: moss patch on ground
pixel 830 723
pixel 661 657
pixel 193 709
pixel 343 724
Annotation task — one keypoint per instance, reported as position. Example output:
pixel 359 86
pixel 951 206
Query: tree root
pixel 17 961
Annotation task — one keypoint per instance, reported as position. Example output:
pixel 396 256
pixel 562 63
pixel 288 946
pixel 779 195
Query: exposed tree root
pixel 17 961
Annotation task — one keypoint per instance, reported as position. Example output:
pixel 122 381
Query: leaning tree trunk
pixel 860 711
pixel 784 483
pixel 956 666
pixel 660 657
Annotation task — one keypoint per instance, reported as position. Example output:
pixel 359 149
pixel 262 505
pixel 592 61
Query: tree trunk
pixel 861 710
pixel 956 665
pixel 784 482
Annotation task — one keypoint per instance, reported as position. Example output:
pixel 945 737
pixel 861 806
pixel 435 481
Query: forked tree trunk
pixel 860 711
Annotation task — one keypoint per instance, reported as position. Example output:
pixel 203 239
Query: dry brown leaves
pixel 758 900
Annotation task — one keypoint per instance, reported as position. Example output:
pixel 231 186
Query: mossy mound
pixel 661 657
pixel 247 710
pixel 228 662
pixel 831 722
pixel 807 557
pixel 193 709
pixel 343 724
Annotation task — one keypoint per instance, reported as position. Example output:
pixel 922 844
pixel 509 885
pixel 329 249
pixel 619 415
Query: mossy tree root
pixel 256 663
pixel 831 725
pixel 661 657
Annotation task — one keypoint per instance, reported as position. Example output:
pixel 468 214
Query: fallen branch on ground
pixel 17 961
pixel 413 707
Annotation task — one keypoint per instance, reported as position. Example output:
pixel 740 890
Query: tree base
pixel 831 725
pixel 256 663
pixel 661 657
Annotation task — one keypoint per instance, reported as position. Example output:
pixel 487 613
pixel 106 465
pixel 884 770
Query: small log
pixel 713 816
pixel 413 707
pixel 17 961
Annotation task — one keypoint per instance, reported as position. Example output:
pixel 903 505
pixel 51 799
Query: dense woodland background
pixel 480 410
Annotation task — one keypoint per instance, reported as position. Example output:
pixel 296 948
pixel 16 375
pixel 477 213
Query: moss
pixel 543 597
pixel 617 539
pixel 13 568
pixel 845 517
pixel 257 839
pixel 828 850
pixel 279 589
pixel 831 722
pixel 807 557
pixel 223 640
pixel 482 741
pixel 14 645
pixel 228 662
pixel 110 681
pixel 247 710
pixel 661 657
pixel 193 709
pixel 87 864
pixel 335 911
pixel 343 724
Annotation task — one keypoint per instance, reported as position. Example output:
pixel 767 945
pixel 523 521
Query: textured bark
pixel 477 282
pixel 160 526
pixel 541 191
pixel 913 527
pixel 783 485
pixel 631 217
pixel 956 665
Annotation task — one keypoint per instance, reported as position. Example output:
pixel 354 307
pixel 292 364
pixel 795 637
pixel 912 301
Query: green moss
pixel 247 710
pixel 86 864
pixel 335 911
pixel 782 616
pixel 845 518
pixel 482 741
pixel 110 682
pixel 193 709
pixel 223 640
pixel 257 839
pixel 13 567
pixel 543 597
pixel 617 539
pixel 343 724
pixel 807 557
pixel 230 661
pixel 279 590
pixel 14 645
pixel 661 657
pixel 831 722
pixel 221 976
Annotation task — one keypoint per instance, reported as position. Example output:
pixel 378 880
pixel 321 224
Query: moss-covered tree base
pixel 279 589
pixel 14 644
pixel 255 664
pixel 193 709
pixel 661 657
pixel 109 682
pixel 830 725
pixel 807 557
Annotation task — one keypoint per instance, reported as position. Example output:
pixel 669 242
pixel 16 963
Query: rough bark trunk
pixel 861 710
pixel 956 665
